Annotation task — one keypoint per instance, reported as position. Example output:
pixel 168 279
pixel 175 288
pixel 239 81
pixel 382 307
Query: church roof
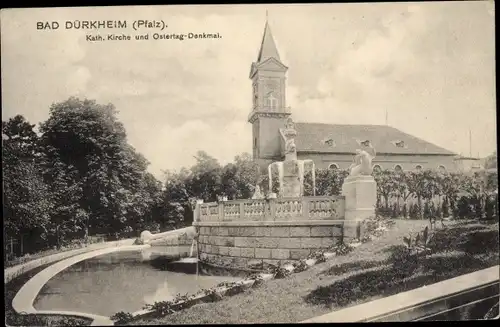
pixel 267 47
pixel 335 138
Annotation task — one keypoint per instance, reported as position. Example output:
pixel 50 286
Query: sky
pixel 429 66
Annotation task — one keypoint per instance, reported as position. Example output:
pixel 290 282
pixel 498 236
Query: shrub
pixel 161 308
pixel 319 256
pixel 258 280
pixel 341 249
pixel 277 271
pixel 122 317
pixel 299 266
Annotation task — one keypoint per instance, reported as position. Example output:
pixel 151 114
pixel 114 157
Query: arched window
pixel 441 169
pixel 398 168
pixel 271 101
pixel 418 168
pixel 333 166
pixel 377 168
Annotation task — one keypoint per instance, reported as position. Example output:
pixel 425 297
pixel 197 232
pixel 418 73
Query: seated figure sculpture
pixel 363 162
pixel 257 194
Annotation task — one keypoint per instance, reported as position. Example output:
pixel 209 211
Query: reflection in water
pixel 122 281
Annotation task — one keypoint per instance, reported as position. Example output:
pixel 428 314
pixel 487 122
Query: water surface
pixel 122 281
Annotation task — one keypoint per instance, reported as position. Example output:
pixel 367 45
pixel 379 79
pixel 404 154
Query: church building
pixel 328 145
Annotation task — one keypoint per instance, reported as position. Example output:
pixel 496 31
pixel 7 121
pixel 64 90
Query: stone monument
pixel 291 170
pixel 257 195
pixel 360 188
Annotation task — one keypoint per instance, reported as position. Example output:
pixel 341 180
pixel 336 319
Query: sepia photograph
pixel 250 163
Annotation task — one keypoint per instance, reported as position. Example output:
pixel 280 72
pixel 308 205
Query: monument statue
pixel 291 170
pixel 257 194
pixel 363 162
pixel 289 133
pixel 360 188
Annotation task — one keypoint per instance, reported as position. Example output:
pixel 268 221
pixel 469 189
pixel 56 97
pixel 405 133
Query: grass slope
pixel 283 300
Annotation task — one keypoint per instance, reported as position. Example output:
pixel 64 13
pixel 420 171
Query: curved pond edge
pixel 24 299
pixel 12 272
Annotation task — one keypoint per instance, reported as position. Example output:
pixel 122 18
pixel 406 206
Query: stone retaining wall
pixel 247 246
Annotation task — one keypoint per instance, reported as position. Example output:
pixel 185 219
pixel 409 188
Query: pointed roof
pixel 268 47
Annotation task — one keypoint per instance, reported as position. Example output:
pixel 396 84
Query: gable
pixel 271 64
pixel 326 138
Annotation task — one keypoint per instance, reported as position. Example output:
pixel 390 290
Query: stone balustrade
pixel 304 208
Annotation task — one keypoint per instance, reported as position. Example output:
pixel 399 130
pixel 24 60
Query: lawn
pixel 373 270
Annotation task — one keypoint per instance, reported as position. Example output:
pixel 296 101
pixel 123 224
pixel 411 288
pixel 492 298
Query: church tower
pixel 269 111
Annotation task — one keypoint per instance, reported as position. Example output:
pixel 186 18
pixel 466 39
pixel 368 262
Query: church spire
pixel 268 47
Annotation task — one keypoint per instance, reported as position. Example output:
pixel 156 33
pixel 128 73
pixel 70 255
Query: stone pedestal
pixel 291 179
pixel 360 199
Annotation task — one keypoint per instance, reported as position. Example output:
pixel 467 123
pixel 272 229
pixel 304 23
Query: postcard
pixel 234 164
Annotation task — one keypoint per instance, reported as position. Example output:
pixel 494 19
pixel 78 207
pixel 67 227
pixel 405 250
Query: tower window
pixel 255 142
pixel 272 101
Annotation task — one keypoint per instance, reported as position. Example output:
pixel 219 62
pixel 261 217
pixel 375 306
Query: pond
pixel 121 281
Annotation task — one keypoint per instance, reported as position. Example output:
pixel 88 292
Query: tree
pixel 238 179
pixel 449 184
pixel 175 207
pixel 386 185
pixel 205 181
pixel 328 181
pixel 101 180
pixel 26 198
pixel 401 190
pixel 421 184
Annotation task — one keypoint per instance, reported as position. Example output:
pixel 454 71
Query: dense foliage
pixel 79 178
